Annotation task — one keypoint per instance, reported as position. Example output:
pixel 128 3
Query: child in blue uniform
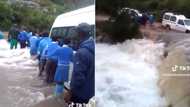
pixel 51 61
pixel 22 37
pixel 65 55
pixel 33 44
pixel 42 51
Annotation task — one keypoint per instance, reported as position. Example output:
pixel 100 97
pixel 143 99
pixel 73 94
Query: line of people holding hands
pixel 54 62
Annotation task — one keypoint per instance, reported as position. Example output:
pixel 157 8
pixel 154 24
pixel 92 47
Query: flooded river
pixel 127 74
pixel 18 77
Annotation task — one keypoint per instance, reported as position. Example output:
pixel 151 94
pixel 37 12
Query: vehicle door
pixel 165 20
pixel 173 22
pixel 180 26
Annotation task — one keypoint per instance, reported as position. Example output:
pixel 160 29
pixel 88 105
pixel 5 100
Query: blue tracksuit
pixel 43 43
pixel 51 49
pixel 33 45
pixel 65 55
pixel 22 37
pixel 29 35
pixel 82 82
pixel 43 56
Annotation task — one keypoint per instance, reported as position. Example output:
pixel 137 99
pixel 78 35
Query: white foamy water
pixel 18 72
pixel 16 57
pixel 127 75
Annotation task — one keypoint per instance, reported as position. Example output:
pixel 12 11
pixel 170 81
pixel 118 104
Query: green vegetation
pixel 28 17
pixel 120 26
pixel 34 14
pixel 156 6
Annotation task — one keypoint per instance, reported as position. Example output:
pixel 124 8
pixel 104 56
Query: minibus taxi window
pixel 73 35
pixel 59 31
pixel 72 32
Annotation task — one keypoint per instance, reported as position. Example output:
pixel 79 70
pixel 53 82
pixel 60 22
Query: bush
pixel 122 28
pixel 24 16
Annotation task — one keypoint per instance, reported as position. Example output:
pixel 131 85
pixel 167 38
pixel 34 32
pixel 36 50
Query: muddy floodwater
pixel 20 86
pixel 127 74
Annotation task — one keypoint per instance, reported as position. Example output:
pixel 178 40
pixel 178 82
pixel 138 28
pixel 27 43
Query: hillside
pixel 35 14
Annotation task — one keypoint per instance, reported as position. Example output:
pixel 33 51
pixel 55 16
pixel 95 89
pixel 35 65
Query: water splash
pixel 127 75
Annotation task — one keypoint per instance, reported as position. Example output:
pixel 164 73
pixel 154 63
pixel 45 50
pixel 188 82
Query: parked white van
pixel 64 25
pixel 176 22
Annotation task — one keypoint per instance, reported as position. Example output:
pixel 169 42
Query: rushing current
pixel 127 74
pixel 18 77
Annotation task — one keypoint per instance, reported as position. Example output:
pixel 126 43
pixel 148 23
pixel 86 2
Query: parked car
pixel 176 22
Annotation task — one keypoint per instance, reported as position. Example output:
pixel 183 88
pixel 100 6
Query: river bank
pixel 173 71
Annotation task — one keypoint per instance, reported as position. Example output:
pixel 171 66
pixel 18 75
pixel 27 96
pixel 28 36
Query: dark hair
pixel 66 41
pixel 55 38
pixel 45 34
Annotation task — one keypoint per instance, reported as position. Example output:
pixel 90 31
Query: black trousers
pixel 42 64
pixel 22 44
pixel 50 69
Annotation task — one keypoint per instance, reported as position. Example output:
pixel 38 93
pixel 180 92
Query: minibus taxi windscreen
pixel 70 33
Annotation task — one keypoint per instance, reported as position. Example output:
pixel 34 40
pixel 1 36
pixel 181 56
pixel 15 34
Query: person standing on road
pixel 13 36
pixel 65 55
pixel 82 81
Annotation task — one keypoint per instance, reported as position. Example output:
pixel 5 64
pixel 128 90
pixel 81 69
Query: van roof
pixel 181 17
pixel 178 16
pixel 74 18
pixel 168 13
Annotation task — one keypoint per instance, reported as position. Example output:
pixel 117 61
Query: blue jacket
pixel 33 45
pixel 65 55
pixel 22 37
pixel 43 56
pixel 82 82
pixel 42 44
pixel 29 35
pixel 51 49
